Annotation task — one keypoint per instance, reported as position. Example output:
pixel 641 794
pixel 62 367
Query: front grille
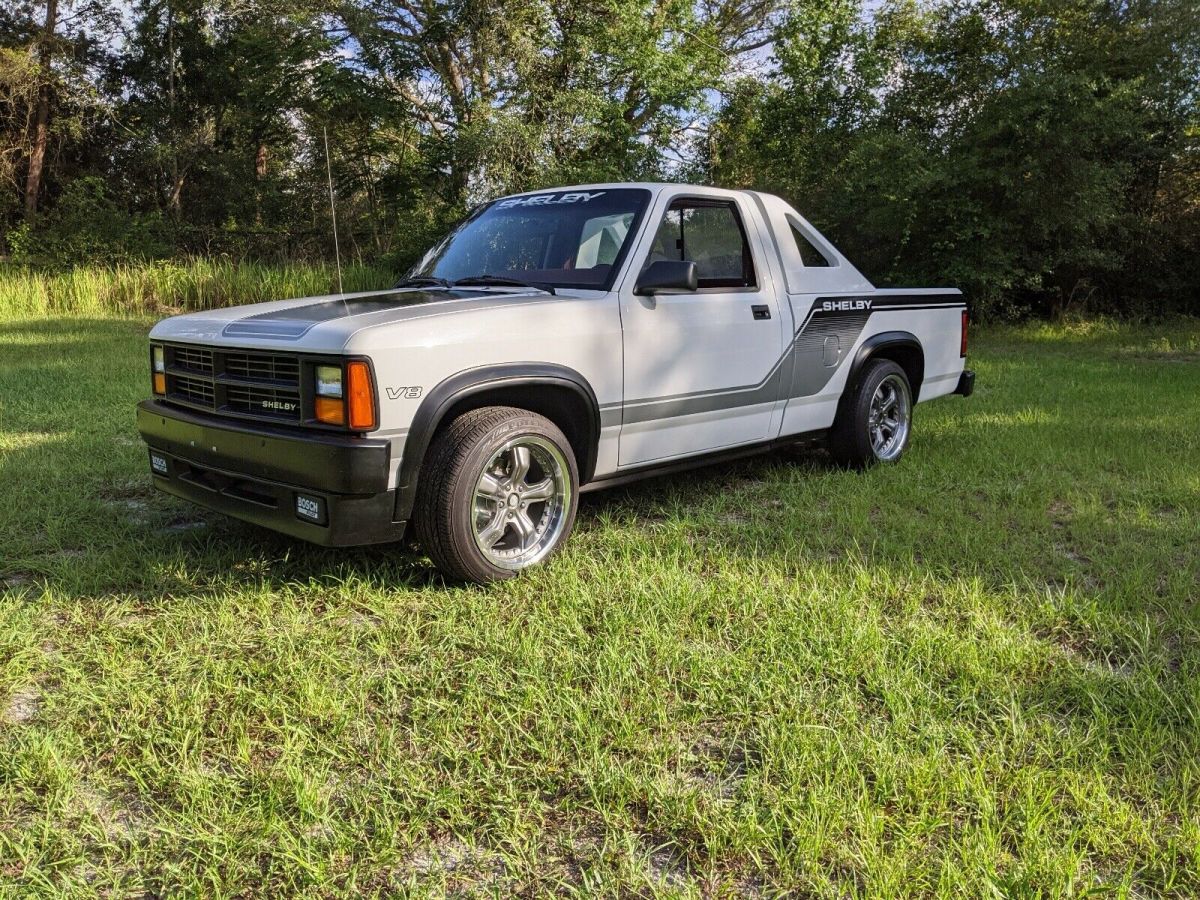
pixel 238 383
pixel 263 367
pixel 194 359
pixel 193 390
pixel 263 401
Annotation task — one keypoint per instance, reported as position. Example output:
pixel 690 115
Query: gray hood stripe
pixel 293 323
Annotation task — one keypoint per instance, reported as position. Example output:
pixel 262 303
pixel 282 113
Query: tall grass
pixel 168 287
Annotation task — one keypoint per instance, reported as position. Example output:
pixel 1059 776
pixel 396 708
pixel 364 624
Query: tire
pixel 860 436
pixel 473 512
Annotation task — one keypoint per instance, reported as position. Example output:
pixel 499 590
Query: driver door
pixel 701 368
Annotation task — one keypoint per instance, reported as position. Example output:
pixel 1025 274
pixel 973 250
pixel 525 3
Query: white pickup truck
pixel 556 342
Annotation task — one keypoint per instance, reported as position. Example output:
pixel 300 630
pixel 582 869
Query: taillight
pixel 360 396
pixel 962 347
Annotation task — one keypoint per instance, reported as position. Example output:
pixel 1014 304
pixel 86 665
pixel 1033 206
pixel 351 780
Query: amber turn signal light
pixel 360 395
pixel 160 383
pixel 330 410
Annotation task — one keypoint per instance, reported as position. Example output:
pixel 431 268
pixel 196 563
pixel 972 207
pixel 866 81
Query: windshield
pixel 560 238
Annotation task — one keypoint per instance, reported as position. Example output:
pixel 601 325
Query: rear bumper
pixel 329 490
pixel 966 383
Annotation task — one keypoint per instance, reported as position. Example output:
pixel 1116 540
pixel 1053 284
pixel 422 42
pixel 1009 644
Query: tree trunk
pixel 260 172
pixel 41 125
pixel 175 203
pixel 176 194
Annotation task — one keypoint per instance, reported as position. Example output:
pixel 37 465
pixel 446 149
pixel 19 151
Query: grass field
pixel 973 674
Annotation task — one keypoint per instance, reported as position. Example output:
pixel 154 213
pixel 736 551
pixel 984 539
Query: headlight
pixel 345 396
pixel 158 367
pixel 328 404
pixel 329 381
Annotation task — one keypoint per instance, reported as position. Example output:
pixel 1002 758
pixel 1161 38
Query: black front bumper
pixel 328 489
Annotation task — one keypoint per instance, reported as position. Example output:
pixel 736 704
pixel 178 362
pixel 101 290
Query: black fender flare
pixel 872 346
pixel 470 382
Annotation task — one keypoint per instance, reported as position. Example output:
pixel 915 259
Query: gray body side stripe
pixel 810 375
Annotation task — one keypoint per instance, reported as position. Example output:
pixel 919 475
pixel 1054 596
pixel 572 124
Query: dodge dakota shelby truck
pixel 556 342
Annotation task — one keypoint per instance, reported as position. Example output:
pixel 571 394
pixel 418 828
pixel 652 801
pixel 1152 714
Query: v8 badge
pixel 403 393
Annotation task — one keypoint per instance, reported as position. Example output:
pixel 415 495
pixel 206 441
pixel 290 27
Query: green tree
pixel 515 94
pixel 50 57
pixel 1015 147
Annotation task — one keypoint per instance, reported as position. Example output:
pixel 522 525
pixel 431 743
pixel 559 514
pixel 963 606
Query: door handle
pixel 761 311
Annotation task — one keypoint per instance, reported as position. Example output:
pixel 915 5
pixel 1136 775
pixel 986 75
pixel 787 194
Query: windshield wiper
pixel 419 280
pixel 502 281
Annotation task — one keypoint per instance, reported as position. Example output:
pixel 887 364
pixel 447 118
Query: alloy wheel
pixel 521 500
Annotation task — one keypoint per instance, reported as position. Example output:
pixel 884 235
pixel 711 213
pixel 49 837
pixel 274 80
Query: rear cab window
pixel 812 256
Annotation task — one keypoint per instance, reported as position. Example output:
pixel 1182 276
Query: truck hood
pixel 324 324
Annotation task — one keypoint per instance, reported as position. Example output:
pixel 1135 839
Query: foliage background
pixel 1041 154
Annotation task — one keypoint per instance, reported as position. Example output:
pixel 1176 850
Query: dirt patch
pixel 358 620
pixel 578 839
pixel 319 831
pixel 1089 659
pixel 121 819
pixel 125 490
pixel 14 580
pixel 1060 512
pixel 665 865
pixel 464 867
pixel 182 524
pixel 1072 554
pixel 715 766
pixel 23 705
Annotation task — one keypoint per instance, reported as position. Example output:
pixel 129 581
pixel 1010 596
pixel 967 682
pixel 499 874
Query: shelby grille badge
pixel 280 405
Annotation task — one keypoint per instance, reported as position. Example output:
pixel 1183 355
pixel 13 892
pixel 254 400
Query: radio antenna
pixel 337 253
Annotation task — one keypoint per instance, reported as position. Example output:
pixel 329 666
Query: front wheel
pixel 498 493
pixel 875 421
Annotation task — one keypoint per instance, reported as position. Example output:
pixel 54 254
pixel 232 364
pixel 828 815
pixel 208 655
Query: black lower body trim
pixel 966 383
pixel 652 470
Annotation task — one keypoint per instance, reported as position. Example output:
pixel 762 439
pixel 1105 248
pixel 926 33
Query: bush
pixel 88 226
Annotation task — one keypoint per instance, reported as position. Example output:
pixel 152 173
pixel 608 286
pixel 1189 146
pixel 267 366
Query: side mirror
pixel 667 275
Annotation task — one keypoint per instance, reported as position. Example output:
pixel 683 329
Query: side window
pixel 710 234
pixel 810 254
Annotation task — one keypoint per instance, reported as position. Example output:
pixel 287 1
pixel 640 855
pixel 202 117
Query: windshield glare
pixel 560 238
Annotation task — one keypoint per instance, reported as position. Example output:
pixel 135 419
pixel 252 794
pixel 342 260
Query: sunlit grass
pixel 973 674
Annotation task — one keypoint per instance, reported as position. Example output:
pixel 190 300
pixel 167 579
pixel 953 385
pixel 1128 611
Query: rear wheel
pixel 498 493
pixel 874 423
